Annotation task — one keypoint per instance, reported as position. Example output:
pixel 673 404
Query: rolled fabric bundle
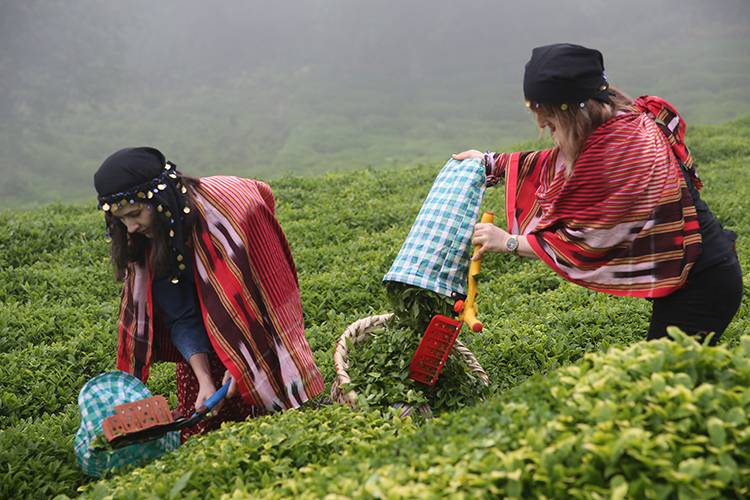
pixel 436 253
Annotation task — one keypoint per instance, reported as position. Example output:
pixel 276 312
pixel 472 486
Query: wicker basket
pixel 357 333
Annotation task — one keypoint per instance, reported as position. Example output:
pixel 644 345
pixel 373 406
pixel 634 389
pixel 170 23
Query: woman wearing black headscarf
pixel 194 291
pixel 614 206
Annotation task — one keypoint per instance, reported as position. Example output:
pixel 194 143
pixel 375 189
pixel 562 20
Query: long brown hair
pixel 127 248
pixel 575 124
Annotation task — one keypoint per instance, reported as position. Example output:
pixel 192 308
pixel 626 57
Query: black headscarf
pixel 143 175
pixel 564 73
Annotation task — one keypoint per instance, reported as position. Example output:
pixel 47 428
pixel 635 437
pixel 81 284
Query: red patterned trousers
pixel 233 410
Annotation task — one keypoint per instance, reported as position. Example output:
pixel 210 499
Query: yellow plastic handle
pixel 469 313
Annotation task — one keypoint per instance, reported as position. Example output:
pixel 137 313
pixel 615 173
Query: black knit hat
pixel 564 73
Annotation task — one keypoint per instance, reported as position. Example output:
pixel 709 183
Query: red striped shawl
pixel 249 296
pixel 623 222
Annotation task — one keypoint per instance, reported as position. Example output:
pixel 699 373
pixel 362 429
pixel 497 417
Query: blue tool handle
pixel 212 401
pixel 217 396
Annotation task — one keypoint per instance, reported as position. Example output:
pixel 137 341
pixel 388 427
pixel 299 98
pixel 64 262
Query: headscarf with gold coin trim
pixel 143 175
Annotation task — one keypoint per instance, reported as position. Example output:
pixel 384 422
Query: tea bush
pixel 655 420
pixel 257 452
pixel 37 454
pixel 43 379
pixel 379 370
pixel 379 366
pixel 58 314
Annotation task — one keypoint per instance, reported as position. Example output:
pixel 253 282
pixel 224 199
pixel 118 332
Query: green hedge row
pixel 44 379
pixel 58 302
pixel 58 323
pixel 257 453
pixel 37 458
pixel 36 453
pixel 654 420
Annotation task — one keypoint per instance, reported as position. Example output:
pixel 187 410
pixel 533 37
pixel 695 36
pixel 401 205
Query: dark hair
pixel 127 248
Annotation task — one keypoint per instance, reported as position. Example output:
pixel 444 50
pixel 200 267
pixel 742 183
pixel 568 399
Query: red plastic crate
pixel 433 349
pixel 137 416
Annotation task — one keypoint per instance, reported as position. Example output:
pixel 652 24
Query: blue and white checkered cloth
pixel 436 253
pixel 97 401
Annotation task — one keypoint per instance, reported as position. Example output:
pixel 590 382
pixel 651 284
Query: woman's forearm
pixel 199 363
pixel 525 249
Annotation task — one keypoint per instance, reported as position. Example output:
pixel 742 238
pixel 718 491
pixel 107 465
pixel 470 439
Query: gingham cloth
pixel 97 401
pixel 436 253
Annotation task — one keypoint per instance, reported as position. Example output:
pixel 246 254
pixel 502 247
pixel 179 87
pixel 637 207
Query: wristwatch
pixel 511 244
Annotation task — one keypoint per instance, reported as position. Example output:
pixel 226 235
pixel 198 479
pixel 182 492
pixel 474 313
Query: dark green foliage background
pixel 58 307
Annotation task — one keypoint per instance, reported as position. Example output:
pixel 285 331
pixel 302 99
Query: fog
pixel 264 89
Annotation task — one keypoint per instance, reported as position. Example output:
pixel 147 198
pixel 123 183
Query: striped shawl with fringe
pixel 249 298
pixel 623 222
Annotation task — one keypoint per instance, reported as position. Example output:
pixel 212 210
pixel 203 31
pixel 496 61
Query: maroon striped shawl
pixel 249 296
pixel 623 222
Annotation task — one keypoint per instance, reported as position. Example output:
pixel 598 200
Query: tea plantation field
pixel 579 406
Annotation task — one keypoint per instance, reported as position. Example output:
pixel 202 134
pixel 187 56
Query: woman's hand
pixel 490 238
pixel 232 392
pixel 205 391
pixel 471 153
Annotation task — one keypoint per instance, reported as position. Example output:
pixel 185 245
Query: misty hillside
pixel 265 88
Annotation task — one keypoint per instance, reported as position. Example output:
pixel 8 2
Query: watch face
pixel 511 244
